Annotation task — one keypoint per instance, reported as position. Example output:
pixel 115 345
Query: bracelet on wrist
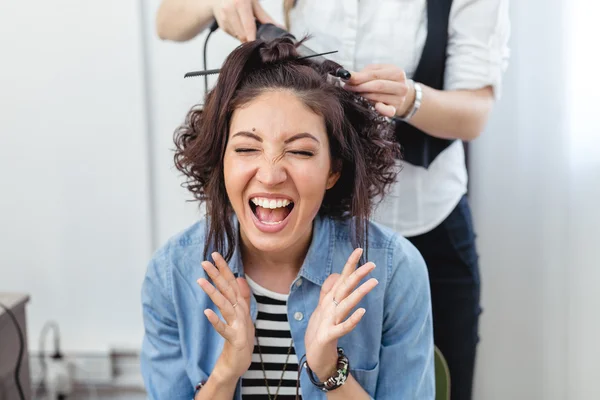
pixel 416 103
pixel 337 379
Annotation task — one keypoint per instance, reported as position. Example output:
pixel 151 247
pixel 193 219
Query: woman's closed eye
pixel 245 150
pixel 304 153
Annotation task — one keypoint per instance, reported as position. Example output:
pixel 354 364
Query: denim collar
pixel 317 264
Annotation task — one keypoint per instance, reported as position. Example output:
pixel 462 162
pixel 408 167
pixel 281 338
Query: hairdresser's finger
pixel 374 67
pixel 379 86
pixel 238 28
pixel 394 74
pixel 262 15
pixel 229 20
pixel 246 16
pixel 386 110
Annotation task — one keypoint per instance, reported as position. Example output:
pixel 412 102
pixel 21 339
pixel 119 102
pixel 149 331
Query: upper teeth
pixel 270 203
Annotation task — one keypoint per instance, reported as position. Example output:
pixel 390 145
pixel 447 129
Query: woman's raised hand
pixel 330 320
pixel 232 298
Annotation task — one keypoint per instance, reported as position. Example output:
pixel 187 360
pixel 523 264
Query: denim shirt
pixel 390 351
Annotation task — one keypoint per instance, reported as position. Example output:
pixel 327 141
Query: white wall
pixel 583 264
pixel 535 182
pixel 74 215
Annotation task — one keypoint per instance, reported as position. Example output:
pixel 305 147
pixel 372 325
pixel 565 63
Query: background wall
pixel 89 99
pixel 74 209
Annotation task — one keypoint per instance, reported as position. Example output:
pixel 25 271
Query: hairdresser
pixel 436 66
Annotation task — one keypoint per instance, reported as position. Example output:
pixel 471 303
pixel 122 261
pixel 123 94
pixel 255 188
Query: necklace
pixel 262 365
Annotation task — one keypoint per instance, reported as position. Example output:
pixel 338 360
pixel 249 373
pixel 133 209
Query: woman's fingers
pixel 220 282
pixel 328 285
pixel 348 269
pixel 244 291
pixel 352 281
pixel 226 272
pixel 223 329
pixel 224 305
pixel 348 303
pixel 339 330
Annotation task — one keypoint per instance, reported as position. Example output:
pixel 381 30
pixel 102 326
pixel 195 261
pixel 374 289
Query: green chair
pixel 442 376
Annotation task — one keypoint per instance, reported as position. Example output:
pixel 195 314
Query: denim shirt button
pixel 298 316
pixel 299 282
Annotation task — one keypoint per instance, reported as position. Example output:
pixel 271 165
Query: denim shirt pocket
pixel 367 378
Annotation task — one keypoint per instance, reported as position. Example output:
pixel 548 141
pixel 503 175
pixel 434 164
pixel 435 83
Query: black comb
pixel 216 71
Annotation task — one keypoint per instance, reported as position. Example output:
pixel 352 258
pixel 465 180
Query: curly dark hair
pixel 362 145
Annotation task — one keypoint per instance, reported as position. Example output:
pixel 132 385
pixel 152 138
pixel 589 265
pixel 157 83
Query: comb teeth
pixel 216 71
pixel 201 73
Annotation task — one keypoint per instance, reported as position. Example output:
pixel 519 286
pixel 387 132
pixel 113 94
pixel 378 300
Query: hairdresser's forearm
pixel 351 390
pixel 181 20
pixel 454 114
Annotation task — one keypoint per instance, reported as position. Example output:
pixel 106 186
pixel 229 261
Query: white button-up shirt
pixel 394 32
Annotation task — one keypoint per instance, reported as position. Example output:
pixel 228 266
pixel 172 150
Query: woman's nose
pixel 271 173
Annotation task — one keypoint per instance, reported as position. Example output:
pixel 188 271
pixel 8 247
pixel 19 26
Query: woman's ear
pixel 334 174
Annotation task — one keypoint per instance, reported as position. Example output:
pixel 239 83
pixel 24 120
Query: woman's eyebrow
pixel 301 136
pixel 286 141
pixel 248 134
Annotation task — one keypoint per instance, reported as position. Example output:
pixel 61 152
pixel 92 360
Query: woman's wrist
pixel 224 376
pixel 326 368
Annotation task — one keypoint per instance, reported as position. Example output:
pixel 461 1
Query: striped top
pixel 274 335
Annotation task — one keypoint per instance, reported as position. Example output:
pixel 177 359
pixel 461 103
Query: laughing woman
pixel 288 165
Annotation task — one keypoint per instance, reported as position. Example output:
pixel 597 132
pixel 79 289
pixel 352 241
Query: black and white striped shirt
pixel 274 334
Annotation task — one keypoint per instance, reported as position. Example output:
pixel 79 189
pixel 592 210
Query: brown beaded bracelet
pixel 336 380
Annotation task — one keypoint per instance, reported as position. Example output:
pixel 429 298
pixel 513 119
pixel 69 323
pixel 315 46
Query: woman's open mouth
pixel 270 214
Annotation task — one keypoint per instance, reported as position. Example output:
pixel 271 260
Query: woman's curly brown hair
pixel 362 145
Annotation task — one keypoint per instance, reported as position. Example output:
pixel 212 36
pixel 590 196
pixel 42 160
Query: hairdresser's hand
pixel 386 85
pixel 236 17
pixel 232 297
pixel 329 321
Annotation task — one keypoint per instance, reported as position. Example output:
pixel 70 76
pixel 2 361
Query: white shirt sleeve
pixel 477 53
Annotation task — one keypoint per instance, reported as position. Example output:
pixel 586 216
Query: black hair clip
pixel 216 71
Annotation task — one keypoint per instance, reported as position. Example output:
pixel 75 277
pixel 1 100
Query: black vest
pixel 420 148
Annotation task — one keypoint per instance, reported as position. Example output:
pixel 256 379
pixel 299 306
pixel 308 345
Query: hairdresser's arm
pixel 477 55
pixel 182 20
pixel 456 114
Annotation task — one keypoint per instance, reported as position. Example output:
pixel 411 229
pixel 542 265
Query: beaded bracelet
pixel 336 380
pixel 198 387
